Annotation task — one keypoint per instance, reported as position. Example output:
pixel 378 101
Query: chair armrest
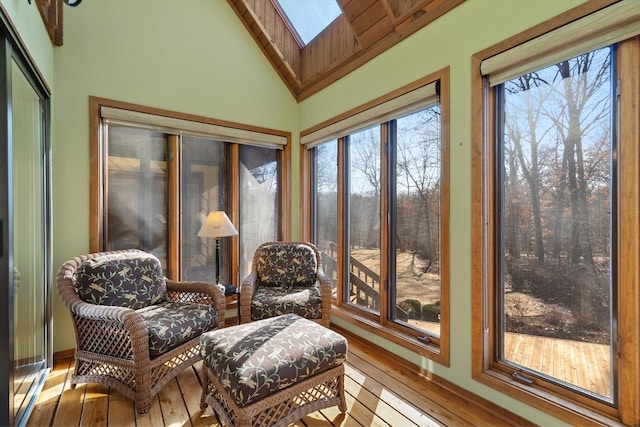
pixel 91 320
pixel 98 312
pixel 128 332
pixel 247 288
pixel 325 293
pixel 201 293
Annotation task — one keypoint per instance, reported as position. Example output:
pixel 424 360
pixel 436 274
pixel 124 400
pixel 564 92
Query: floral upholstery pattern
pixel 287 265
pixel 121 280
pixel 276 301
pixel 137 339
pixel 256 359
pixel 171 324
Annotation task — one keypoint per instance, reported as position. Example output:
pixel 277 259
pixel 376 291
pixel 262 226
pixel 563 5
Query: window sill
pixel 405 340
pixel 558 406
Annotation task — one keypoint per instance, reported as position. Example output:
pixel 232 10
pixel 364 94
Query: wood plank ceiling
pixel 365 29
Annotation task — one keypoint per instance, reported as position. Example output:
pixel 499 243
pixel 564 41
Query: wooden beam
pixel 51 13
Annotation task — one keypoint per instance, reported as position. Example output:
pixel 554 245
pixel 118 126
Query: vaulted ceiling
pixel 365 29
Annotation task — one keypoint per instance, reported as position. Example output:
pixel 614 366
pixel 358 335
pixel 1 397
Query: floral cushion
pixel 287 264
pixel 171 324
pixel 254 360
pixel 122 280
pixel 276 301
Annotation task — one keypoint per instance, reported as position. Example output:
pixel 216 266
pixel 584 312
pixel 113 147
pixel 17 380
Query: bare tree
pixel 524 126
pixel 583 107
pixel 418 165
pixel 365 186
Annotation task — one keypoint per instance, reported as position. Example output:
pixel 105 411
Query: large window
pixel 161 177
pixel 388 160
pixel 554 250
pixel 554 181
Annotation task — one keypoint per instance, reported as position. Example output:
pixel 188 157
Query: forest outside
pixel 555 206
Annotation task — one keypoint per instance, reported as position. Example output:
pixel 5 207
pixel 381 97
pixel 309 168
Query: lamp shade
pixel 217 224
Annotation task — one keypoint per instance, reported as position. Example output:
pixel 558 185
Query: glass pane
pixel 259 188
pixel 29 241
pixel 137 198
pixel 204 189
pixel 364 216
pixel 556 229
pixel 417 227
pixel 325 170
pixel 310 17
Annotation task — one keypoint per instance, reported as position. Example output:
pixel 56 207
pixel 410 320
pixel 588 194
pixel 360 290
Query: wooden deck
pixel 582 364
pixel 380 391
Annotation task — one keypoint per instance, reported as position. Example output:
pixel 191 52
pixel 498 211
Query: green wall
pixel 28 23
pixel 449 41
pixel 194 56
pixel 189 56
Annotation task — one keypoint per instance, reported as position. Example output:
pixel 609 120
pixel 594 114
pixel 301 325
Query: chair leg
pixel 143 395
pixel 143 406
pixel 205 391
pixel 342 406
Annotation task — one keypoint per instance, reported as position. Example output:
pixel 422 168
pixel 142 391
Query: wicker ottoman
pixel 272 372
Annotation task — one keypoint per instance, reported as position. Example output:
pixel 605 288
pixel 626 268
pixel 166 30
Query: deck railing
pixel 364 283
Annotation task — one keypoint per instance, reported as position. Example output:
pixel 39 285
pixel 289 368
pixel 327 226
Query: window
pixel 554 179
pixel 554 250
pixel 309 18
pixel 259 201
pixel 163 175
pixel 417 206
pixel 325 207
pixel 388 159
pixel 364 233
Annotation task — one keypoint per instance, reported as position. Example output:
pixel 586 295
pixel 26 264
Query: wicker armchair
pixel 135 329
pixel 286 277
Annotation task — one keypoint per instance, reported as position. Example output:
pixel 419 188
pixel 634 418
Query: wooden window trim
pixel 438 349
pixel 97 165
pixel 285 192
pixel 571 407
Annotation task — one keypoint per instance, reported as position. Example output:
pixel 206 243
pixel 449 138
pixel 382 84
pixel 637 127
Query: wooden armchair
pixel 135 329
pixel 286 277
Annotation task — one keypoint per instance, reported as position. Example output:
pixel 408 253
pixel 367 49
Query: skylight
pixel 310 17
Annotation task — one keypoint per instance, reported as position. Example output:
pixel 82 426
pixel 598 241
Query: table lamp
pixel 217 225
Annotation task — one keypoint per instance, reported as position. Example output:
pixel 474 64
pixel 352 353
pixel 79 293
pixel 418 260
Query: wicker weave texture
pixel 112 343
pixel 250 283
pixel 280 409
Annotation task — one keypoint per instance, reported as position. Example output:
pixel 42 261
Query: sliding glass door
pixel 29 241
pixel 25 263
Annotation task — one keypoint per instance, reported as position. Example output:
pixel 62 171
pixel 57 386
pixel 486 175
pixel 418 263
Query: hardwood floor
pixel 380 391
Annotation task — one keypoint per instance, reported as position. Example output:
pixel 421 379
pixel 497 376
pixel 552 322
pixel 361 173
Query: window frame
pixel 571 406
pixel 436 348
pixel 231 133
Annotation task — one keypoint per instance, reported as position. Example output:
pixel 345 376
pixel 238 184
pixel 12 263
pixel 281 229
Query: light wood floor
pixel 380 391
